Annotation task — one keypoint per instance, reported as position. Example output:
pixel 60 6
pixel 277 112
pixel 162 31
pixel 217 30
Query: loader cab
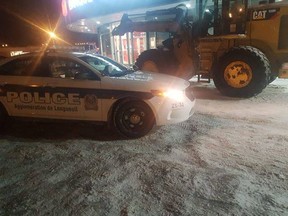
pixel 229 16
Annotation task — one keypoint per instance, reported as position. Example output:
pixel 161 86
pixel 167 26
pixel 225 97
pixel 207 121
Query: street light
pixel 52 35
pixel 54 38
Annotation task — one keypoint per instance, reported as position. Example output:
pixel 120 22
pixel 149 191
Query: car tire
pixel 133 118
pixel 242 72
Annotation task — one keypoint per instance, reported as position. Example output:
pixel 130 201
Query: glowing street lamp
pixel 52 35
pixel 54 39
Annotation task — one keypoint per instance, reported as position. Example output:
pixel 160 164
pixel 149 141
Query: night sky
pixel 43 13
pixel 16 31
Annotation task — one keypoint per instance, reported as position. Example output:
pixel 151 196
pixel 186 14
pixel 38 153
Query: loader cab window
pixel 236 10
pixel 230 17
pixel 155 39
pixel 237 17
pixel 203 27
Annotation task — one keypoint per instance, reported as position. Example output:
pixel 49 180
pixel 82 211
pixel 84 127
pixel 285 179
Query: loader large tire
pixel 242 72
pixel 157 61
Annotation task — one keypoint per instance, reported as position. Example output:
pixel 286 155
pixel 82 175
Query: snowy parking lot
pixel 229 158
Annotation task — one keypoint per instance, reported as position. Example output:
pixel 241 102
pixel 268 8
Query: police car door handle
pixel 50 85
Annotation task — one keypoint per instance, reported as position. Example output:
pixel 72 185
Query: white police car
pixel 78 86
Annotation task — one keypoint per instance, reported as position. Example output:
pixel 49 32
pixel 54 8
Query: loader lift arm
pixel 178 55
pixel 151 21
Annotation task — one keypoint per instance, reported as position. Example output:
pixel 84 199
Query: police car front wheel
pixel 133 118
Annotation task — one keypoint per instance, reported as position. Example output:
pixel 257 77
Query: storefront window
pixel 117 44
pixel 139 44
pixel 105 42
pixel 126 49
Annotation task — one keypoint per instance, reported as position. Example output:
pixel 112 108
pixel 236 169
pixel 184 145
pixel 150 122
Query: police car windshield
pixel 106 66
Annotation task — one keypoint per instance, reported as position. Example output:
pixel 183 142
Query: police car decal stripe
pixel 47 92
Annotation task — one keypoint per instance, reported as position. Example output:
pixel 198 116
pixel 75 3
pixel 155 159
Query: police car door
pixel 22 80
pixel 73 89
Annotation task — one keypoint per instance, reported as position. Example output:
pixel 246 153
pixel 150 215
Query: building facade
pixel 101 17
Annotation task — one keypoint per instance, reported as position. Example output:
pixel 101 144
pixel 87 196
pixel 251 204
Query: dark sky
pixel 15 31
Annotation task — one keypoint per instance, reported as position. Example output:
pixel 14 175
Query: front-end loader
pixel 241 47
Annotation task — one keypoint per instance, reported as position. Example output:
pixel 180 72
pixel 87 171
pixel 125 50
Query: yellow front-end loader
pixel 242 47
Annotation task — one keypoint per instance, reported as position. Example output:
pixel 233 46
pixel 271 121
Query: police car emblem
pixel 91 102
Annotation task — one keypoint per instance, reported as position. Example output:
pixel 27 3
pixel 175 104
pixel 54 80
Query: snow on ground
pixel 229 158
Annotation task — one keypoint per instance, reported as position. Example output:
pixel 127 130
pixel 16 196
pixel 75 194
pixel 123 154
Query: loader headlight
pixel 174 94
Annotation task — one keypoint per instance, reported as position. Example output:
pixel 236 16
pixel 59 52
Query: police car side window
pixel 29 66
pixel 17 67
pixel 69 69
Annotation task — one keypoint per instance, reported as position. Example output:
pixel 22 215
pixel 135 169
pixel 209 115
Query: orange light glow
pixel 52 34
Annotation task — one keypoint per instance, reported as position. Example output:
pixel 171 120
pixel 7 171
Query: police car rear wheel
pixel 133 119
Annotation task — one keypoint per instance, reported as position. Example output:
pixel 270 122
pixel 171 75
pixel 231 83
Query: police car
pixel 79 86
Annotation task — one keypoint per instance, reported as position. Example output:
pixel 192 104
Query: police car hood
pixel 146 81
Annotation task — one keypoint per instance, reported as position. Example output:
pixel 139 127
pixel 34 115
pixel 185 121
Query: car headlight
pixel 174 94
